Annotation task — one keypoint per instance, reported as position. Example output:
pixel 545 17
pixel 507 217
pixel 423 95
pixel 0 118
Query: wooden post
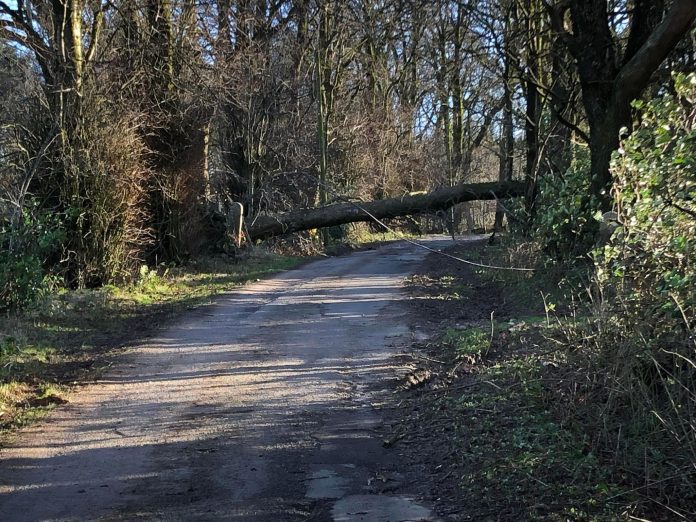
pixel 235 221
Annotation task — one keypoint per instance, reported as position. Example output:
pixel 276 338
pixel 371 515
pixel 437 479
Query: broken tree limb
pixel 266 226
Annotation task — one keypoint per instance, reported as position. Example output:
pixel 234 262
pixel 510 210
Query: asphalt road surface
pixel 261 406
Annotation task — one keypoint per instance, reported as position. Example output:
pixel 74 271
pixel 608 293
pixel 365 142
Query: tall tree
pixel 613 74
pixel 507 139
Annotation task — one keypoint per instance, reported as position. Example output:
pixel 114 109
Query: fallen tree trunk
pixel 266 226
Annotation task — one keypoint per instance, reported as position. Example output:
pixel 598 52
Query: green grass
pixel 469 343
pixel 561 412
pixel 519 457
pixel 69 336
pixel 516 442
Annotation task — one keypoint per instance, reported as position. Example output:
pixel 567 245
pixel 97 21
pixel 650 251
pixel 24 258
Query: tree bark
pixel 533 108
pixel 266 226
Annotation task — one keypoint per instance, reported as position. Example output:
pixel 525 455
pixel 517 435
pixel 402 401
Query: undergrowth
pixel 363 233
pixel 521 460
pixel 576 414
pixel 621 388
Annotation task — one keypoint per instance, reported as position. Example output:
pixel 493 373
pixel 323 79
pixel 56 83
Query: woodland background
pixel 128 126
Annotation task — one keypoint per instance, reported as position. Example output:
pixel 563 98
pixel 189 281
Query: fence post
pixel 235 221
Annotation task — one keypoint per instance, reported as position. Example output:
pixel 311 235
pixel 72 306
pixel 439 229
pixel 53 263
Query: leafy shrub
pixel 651 258
pixel 641 337
pixel 468 344
pixel 8 347
pixel 562 217
pixel 25 244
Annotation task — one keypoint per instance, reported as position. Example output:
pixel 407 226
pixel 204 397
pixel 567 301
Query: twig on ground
pixel 425 358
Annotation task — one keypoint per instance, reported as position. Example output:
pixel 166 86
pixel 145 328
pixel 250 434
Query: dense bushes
pixel 27 238
pixel 630 379
pixel 636 392
pixel 651 259
pixel 648 266
pixel 103 196
pixel 85 223
pixel 561 222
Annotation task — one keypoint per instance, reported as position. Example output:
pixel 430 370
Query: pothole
pixel 325 483
pixel 380 508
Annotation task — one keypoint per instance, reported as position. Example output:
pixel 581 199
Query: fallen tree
pixel 265 226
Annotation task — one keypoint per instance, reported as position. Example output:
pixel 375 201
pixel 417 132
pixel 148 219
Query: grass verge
pixel 514 421
pixel 67 338
pixel 518 458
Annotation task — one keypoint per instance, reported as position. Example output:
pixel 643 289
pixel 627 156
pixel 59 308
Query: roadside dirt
pixel 267 405
pixel 421 425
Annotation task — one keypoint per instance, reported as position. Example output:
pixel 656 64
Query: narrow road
pixel 258 407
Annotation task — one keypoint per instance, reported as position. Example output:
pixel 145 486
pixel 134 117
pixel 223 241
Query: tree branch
pixel 556 14
pixel 577 130
pixel 635 75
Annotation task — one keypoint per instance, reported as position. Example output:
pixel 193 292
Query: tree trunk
pixel 557 158
pixel 533 108
pixel 507 141
pixel 609 85
pixel 604 139
pixel 338 214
